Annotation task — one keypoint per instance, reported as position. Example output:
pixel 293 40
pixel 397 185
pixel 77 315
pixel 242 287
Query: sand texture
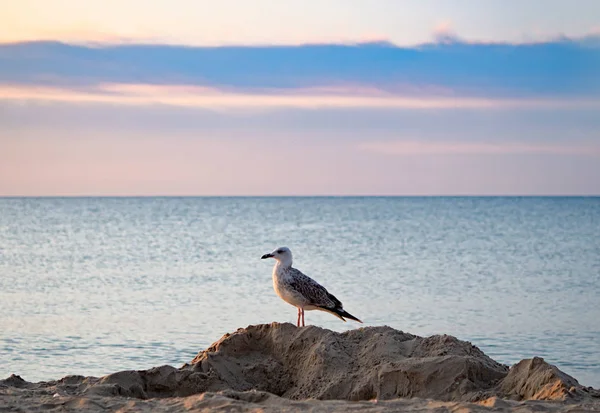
pixel 279 367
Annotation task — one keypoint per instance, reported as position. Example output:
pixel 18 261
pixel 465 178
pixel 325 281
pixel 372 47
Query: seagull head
pixel 281 254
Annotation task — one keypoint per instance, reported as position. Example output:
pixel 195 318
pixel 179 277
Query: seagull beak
pixel 266 256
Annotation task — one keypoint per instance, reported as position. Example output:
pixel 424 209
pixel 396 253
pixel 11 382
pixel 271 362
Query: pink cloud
pixel 342 96
pixel 166 165
pixel 444 33
pixel 414 147
pixel 443 28
pixel 142 165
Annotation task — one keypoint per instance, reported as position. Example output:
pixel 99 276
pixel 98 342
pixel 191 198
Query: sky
pixel 299 98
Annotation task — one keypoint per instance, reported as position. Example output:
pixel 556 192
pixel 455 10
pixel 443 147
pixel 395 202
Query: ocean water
pixel 91 286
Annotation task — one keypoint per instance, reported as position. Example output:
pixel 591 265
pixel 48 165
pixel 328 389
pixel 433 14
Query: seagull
pixel 300 290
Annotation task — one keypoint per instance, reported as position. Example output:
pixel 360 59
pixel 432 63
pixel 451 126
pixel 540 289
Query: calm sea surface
pixel 91 286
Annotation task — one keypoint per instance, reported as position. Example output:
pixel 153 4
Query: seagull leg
pixel 303 317
pixel 298 321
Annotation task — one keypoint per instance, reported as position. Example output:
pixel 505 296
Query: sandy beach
pixel 279 367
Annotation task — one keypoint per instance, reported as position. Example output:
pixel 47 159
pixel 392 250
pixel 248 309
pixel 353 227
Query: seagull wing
pixel 314 292
pixel 317 295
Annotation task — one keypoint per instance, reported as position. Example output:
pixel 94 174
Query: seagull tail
pixel 346 314
pixel 343 314
pixel 332 311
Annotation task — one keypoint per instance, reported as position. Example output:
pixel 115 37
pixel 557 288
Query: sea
pixel 91 286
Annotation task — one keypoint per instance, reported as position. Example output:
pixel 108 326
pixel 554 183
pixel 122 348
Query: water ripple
pixel 95 285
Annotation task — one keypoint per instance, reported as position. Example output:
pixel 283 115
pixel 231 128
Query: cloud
pixel 61 148
pixel 172 165
pixel 560 68
pixel 317 97
pixel 444 33
pixel 416 147
pixel 350 124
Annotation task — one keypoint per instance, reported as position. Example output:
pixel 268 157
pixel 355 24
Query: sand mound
pixel 534 379
pixel 363 364
pixel 271 365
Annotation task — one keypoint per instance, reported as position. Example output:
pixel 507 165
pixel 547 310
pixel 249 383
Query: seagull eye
pixel 279 251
